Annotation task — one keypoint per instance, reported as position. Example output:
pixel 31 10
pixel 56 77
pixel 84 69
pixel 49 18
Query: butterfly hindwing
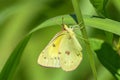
pixel 70 50
pixel 49 56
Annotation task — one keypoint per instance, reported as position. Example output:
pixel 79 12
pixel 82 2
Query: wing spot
pixel 78 54
pixel 44 57
pixel 59 52
pixel 53 45
pixel 55 58
pixel 69 38
pixel 67 52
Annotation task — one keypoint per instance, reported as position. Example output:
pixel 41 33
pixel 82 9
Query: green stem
pixel 84 34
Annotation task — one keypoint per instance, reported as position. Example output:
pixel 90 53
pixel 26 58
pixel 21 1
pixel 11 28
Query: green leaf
pixel 103 24
pixel 100 6
pixel 110 59
pixel 14 59
pixel 95 43
pixel 99 23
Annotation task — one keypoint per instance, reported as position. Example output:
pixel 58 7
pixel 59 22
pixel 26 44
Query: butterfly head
pixel 69 30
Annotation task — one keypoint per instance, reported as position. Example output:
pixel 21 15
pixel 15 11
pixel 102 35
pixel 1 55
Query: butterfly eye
pixel 72 27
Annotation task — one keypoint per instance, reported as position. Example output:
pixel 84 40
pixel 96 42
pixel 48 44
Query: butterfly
pixel 63 51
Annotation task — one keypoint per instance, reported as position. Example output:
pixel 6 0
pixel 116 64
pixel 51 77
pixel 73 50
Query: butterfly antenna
pixel 63 22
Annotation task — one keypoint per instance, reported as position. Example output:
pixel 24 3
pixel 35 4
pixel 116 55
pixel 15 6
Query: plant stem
pixel 84 34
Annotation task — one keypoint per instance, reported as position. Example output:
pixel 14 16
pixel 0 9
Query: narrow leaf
pixel 99 23
pixel 100 6
pixel 14 59
pixel 103 24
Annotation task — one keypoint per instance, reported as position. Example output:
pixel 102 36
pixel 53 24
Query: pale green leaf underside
pixel 99 23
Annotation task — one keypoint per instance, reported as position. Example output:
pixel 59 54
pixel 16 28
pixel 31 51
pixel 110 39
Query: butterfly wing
pixel 71 54
pixel 49 56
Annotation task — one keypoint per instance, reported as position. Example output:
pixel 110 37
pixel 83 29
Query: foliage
pixel 27 26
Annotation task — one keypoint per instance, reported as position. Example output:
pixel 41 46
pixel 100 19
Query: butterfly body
pixel 62 51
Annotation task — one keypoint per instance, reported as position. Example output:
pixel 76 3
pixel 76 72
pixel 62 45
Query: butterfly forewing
pixel 49 56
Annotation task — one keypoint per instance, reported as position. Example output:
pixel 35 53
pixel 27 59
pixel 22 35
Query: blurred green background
pixel 18 17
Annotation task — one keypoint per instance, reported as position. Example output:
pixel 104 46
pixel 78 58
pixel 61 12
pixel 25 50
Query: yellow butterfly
pixel 62 51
